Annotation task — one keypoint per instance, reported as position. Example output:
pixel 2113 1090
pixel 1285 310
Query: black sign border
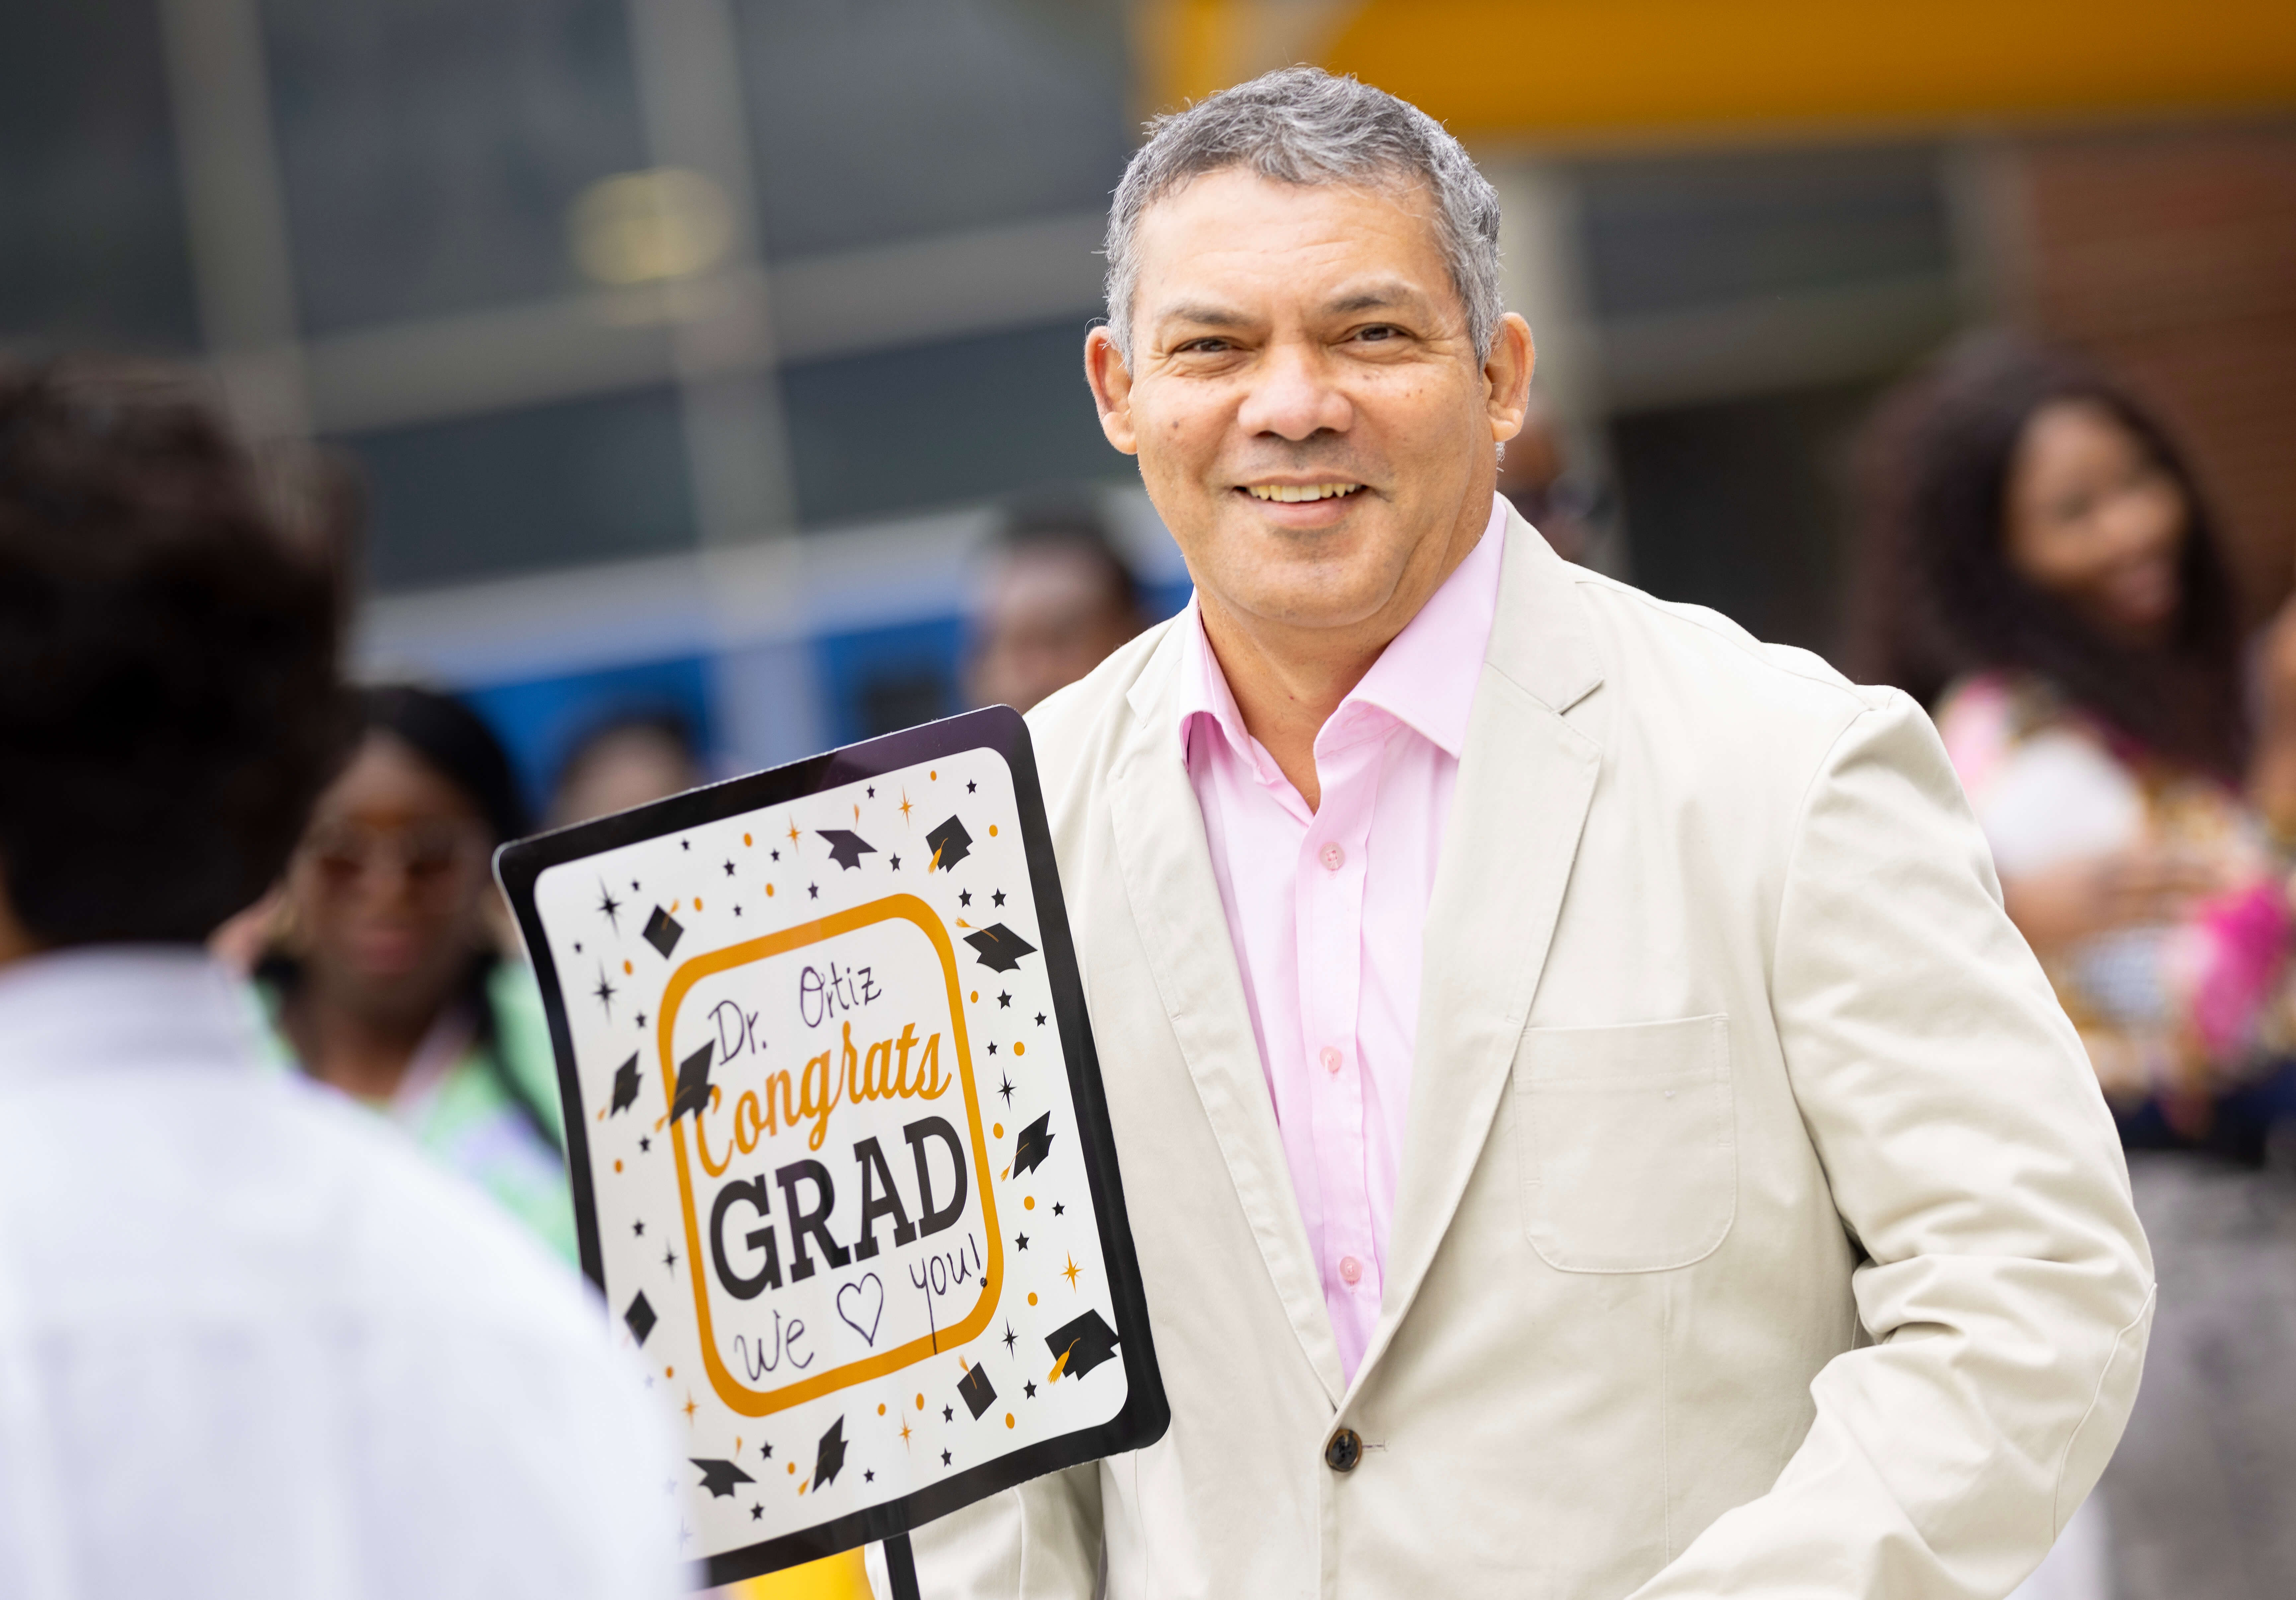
pixel 1146 1414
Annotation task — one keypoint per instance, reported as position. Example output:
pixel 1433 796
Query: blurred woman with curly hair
pixel 2043 570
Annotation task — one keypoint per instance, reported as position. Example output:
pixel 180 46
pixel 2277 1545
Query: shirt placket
pixel 1330 907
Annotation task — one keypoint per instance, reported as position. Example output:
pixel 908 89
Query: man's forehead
pixel 1363 245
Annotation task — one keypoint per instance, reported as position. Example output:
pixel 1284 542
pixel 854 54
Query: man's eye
pixel 1203 347
pixel 1378 332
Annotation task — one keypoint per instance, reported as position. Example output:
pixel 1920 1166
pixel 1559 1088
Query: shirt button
pixel 1333 857
pixel 1351 1269
pixel 1344 1450
pixel 1331 1058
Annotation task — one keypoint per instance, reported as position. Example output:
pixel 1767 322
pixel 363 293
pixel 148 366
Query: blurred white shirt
pixel 252 1346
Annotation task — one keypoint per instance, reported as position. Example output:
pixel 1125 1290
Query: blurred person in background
pixel 1532 476
pixel 2043 570
pixel 250 1346
pixel 386 973
pixel 1055 599
pixel 627 759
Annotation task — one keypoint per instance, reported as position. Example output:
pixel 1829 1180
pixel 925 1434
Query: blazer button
pixel 1345 1449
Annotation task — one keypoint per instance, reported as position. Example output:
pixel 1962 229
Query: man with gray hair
pixel 1588 1126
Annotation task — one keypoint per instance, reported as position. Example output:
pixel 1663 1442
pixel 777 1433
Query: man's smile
pixel 1299 491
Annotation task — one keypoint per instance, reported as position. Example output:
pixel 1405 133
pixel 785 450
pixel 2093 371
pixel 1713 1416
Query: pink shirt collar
pixel 1425 679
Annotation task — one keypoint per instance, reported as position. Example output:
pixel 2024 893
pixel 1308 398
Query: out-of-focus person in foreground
pixel 1589 1127
pixel 2043 567
pixel 1053 600
pixel 626 760
pixel 251 1346
pixel 386 976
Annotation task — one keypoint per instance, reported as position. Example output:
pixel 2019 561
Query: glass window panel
pixel 93 247
pixel 1740 505
pixel 432 148
pixel 589 480
pixel 1675 234
pixel 884 119
pixel 940 424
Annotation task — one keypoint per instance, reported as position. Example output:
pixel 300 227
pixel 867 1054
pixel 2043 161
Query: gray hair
pixel 1301 125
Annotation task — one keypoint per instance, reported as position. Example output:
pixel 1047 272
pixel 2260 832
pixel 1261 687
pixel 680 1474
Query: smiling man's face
pixel 1305 400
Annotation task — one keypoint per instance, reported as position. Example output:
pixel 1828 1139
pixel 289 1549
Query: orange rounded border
pixel 753 1402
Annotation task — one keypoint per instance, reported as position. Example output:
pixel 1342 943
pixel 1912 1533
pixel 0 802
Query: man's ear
pixel 1111 389
pixel 1506 376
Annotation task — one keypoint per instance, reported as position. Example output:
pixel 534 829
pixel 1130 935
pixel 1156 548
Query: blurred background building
pixel 686 348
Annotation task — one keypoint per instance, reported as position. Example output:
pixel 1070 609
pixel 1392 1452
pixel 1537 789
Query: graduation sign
pixel 840 1156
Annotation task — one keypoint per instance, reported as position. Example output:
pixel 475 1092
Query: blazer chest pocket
pixel 1629 1144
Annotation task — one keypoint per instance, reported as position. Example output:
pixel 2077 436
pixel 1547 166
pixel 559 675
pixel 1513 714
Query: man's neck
pixel 1288 680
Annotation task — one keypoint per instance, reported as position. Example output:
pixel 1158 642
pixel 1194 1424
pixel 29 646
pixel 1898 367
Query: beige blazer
pixel 1759 1228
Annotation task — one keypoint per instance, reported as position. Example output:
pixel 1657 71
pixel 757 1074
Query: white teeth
pixel 1301 491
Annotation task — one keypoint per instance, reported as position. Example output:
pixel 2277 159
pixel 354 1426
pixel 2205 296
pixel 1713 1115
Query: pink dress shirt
pixel 1325 908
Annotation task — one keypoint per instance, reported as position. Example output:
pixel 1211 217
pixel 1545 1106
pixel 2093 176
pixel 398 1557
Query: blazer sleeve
pixel 2003 1280
pixel 1040 1541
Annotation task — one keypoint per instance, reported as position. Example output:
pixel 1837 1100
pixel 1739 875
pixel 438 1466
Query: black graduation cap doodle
pixel 829 1460
pixel 979 1392
pixel 1080 1345
pixel 1033 1144
pixel 846 846
pixel 718 1477
pixel 640 1317
pixel 692 1083
pixel 950 845
pixel 662 931
pixel 626 1084
pixel 999 947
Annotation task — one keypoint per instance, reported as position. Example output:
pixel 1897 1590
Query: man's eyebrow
pixel 1203 313
pixel 1375 297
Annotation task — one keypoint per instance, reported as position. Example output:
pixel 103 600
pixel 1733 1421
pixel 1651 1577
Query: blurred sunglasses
pixel 428 855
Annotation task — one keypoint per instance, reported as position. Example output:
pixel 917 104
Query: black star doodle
pixel 998 899
pixel 765 1452
pixel 1021 1242
pixel 611 906
pixel 641 1019
pixel 737 911
pixel 777 855
pixel 813 890
pixel 756 1513
pixel 670 1260
pixel 1005 1089
pixel 729 869
pixel 1030 1389
pixel 637 1230
pixel 897 862
pixel 868 1474
pixel 605 992
pixel 872 791
pixel 992 1049
pixel 578 946
pixel 633 886
pixel 1040 1019
pixel 644 1143
pixel 964 897
pixel 944 1457
pixel 948 1414
pixel 1059 1209
pixel 685 844
pixel 1011 1339
pixel 970 787
pixel 1004 1002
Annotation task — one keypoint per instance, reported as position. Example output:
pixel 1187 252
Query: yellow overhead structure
pixel 1605 70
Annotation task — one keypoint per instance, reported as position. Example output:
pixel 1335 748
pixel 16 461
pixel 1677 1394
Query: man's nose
pixel 1292 396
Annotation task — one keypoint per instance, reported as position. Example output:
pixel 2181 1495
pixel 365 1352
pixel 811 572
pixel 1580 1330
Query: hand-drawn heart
pixel 876 1311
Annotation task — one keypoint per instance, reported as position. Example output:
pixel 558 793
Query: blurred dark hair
pixel 455 742
pixel 1936 595
pixel 1069 520
pixel 170 703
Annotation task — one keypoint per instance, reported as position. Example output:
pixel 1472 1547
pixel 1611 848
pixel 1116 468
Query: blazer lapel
pixel 1526 777
pixel 1175 899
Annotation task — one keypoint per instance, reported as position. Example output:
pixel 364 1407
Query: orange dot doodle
pixel 618 1163
pixel 992 829
pixel 881 1408
pixel 1028 1204
pixel 1032 1297
pixel 1008 1419
pixel 1019 1048
pixel 626 969
pixel 697 902
pixel 746 839
pixel 769 891
pixel 921 1402
pixel 933 777
pixel 792 1469
pixel 996 1131
pixel 976 997
pixel 669 1372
